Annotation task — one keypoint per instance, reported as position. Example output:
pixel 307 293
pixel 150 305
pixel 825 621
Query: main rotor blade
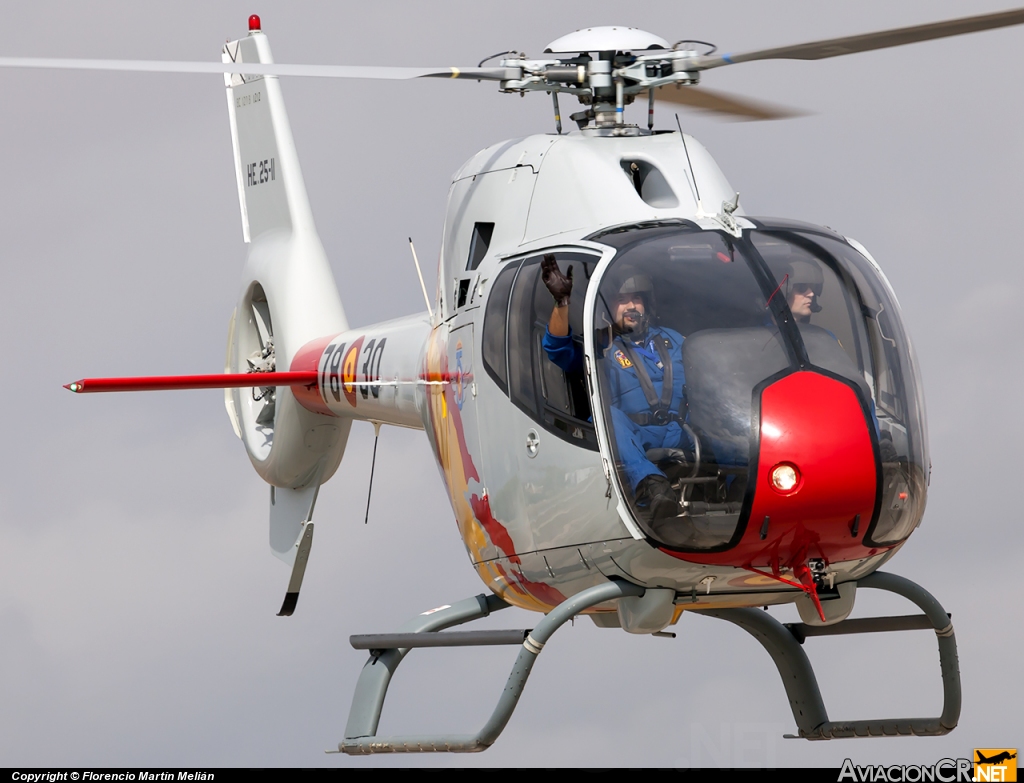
pixel 733 106
pixel 834 47
pixel 264 69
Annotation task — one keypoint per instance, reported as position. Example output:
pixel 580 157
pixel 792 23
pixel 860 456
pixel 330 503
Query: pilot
pixel 645 375
pixel 803 289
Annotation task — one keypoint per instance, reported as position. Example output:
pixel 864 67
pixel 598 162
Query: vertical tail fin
pixel 271 192
pixel 288 299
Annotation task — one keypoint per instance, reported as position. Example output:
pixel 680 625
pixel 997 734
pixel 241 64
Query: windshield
pixel 692 306
pixel 691 326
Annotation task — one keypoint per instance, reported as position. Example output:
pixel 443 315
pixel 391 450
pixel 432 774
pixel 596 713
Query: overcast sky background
pixel 137 591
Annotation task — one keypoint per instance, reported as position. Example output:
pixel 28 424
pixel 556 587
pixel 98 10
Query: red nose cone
pixel 254 24
pixel 816 479
pixel 816 423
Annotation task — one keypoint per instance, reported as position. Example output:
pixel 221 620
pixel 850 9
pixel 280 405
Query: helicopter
pixel 378 373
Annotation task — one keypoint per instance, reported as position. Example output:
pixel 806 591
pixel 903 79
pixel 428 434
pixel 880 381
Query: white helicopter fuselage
pixel 536 512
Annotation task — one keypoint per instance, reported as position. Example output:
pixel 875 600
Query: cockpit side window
pixel 557 399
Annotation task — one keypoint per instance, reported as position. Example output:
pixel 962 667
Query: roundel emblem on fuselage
pixel 349 368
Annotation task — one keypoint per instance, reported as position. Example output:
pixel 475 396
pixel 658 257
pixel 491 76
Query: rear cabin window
pixel 495 322
pixel 557 400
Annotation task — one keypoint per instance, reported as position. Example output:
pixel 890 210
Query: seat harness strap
pixel 660 406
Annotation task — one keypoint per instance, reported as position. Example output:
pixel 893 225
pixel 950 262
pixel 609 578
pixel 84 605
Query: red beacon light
pixel 254 24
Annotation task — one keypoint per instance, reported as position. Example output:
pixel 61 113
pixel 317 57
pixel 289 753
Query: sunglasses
pixel 804 289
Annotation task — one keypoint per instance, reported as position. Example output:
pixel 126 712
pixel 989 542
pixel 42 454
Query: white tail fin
pixel 288 299
pixel 271 192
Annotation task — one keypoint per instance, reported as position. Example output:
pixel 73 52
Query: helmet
pixel 803 274
pixel 637 284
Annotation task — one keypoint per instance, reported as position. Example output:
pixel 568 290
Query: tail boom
pixel 375 373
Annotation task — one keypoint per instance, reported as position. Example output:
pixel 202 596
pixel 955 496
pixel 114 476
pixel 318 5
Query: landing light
pixel 784 477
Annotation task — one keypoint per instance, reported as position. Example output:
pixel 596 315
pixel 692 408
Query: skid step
pixel 398 641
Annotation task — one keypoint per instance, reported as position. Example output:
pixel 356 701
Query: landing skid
pixel 376 675
pixel 783 643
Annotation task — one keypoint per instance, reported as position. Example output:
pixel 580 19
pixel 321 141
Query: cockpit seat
pixel 723 367
pixel 825 351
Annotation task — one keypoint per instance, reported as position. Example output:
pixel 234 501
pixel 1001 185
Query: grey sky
pixel 137 592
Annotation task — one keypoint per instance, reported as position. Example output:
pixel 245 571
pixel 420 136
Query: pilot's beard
pixel 635 330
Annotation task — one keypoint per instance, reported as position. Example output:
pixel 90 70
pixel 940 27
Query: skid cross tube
pixel 908 622
pixel 802 686
pixel 396 641
pixel 368 700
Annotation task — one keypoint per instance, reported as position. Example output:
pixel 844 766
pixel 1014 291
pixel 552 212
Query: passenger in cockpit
pixel 648 398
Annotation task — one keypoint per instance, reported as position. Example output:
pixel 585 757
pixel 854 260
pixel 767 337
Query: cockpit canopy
pixel 723 318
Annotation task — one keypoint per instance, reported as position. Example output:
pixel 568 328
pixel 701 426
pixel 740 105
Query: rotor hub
pixel 606 39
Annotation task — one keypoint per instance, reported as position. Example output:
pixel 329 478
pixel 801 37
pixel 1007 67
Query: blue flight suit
pixel 632 439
